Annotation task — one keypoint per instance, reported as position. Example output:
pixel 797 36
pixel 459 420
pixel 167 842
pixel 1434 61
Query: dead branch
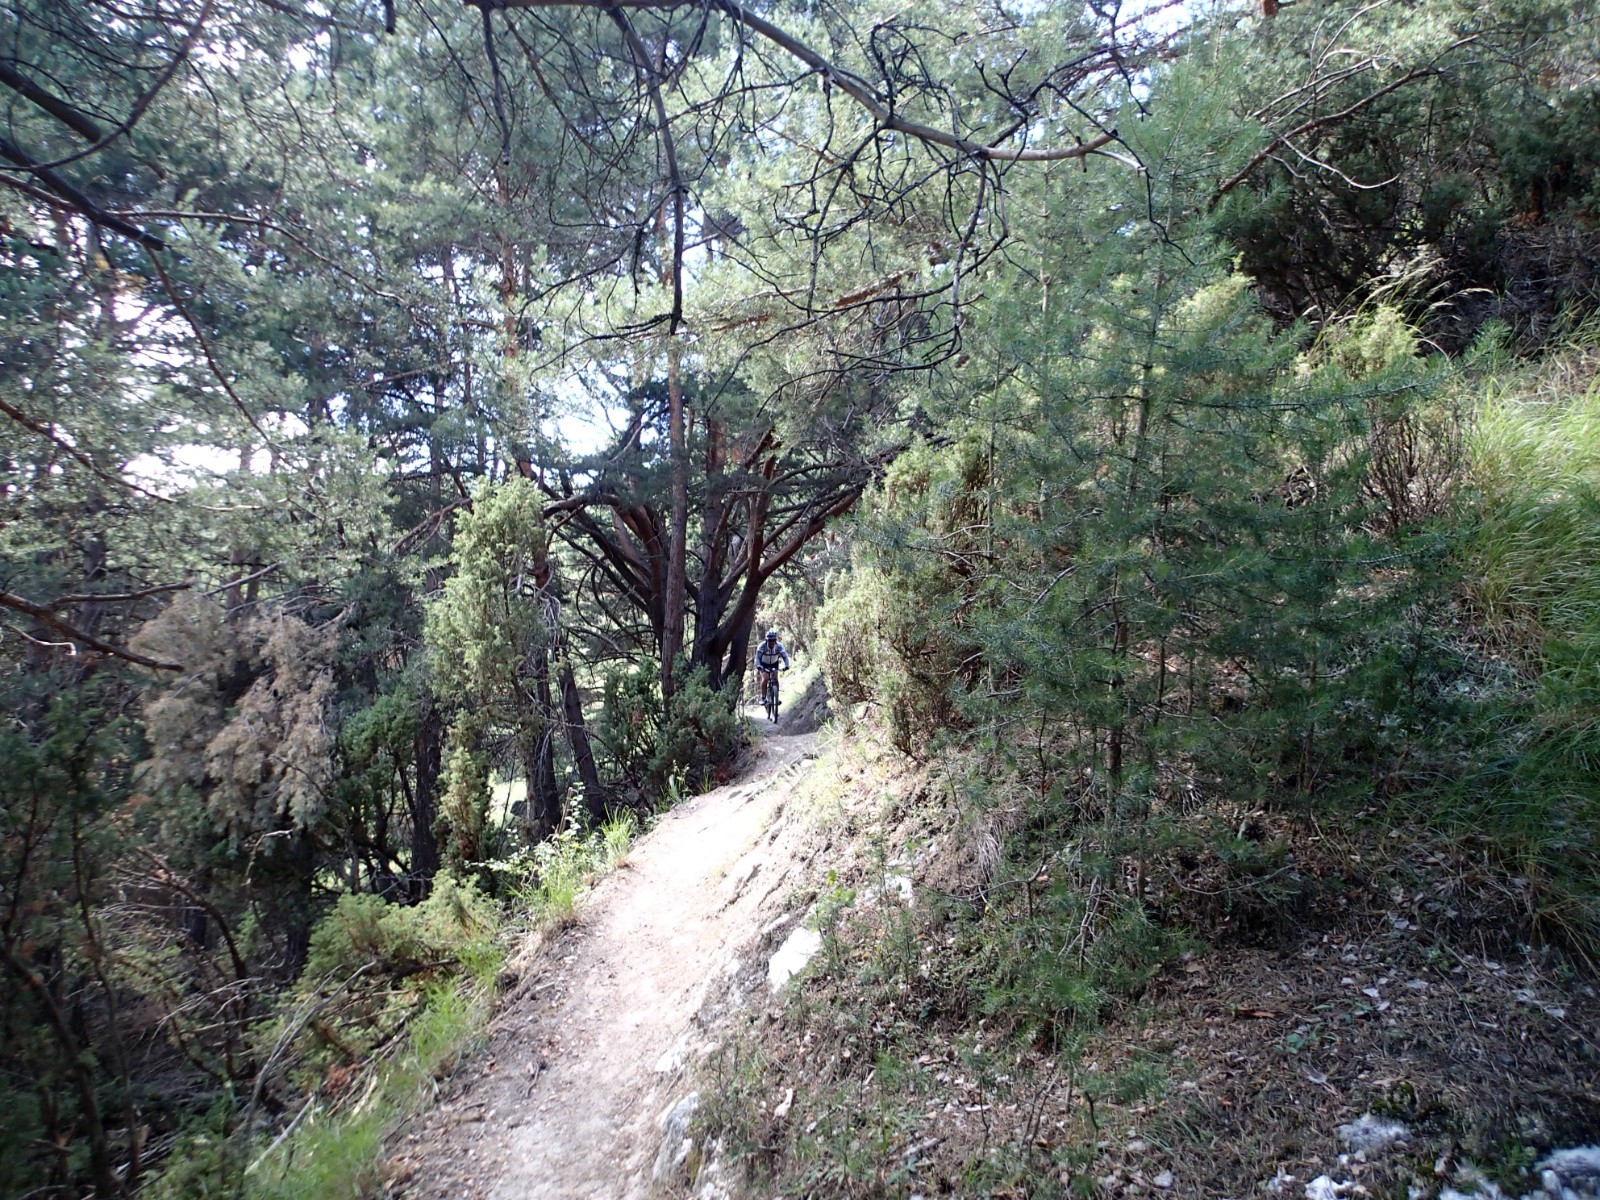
pixel 47 618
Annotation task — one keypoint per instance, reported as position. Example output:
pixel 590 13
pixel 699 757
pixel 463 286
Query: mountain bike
pixel 769 692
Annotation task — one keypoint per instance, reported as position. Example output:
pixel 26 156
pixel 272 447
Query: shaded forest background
pixel 408 414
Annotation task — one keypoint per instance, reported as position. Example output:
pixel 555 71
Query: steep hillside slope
pixel 1374 1032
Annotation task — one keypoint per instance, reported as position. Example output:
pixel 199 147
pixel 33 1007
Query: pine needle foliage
pixel 1149 576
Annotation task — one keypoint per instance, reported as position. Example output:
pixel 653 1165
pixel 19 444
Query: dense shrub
pixel 629 729
pixel 704 731
pixel 454 927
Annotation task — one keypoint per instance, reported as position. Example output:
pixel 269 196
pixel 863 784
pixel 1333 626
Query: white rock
pixel 1482 1188
pixel 672 1057
pixel 798 949
pixel 1324 1188
pixel 715 1180
pixel 782 1110
pixel 896 885
pixel 1372 1135
pixel 1163 1180
pixel 1576 1170
pixel 1553 1010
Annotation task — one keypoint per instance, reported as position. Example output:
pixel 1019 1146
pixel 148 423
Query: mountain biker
pixel 768 655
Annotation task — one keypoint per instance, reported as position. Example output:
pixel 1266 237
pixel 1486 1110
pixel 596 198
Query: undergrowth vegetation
pixel 1164 684
pixel 944 1035
pixel 390 997
pixel 391 1001
pixel 1530 554
pixel 556 871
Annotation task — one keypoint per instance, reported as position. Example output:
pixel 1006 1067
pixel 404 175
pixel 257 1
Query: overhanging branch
pixel 48 619
pixel 851 84
pixel 74 119
pixel 75 199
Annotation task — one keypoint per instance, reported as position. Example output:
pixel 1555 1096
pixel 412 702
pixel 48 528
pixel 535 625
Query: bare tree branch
pixel 72 196
pixel 79 122
pixel 46 431
pixel 854 86
pixel 120 597
pixel 47 618
pixel 205 349
pixel 137 110
pixel 1316 123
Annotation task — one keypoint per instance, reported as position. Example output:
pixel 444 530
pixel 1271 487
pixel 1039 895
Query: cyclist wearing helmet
pixel 771 652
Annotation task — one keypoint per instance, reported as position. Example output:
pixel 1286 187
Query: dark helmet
pixel 772 635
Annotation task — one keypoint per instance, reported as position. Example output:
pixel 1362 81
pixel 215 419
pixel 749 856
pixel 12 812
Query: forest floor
pixel 589 1046
pixel 1253 1065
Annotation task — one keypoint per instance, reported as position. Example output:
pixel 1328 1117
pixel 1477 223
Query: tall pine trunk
pixel 594 796
pixel 675 594
pixel 425 803
pixel 544 792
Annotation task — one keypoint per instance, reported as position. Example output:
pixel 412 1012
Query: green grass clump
pixel 390 997
pixel 339 1153
pixel 1531 552
pixel 557 870
pixel 1535 533
pixel 450 946
pixel 337 1150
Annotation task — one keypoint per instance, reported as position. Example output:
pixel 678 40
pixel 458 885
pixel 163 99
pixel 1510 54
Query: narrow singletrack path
pixel 588 1049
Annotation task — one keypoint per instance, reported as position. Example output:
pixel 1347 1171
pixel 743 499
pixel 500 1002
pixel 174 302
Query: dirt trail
pixel 588 1049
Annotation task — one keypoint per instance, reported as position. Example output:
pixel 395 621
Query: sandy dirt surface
pixel 588 1049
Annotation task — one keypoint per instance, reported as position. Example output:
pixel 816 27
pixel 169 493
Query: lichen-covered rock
pixel 676 1160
